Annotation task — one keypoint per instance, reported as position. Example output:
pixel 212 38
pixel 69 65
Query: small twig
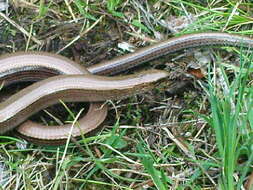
pixel 179 144
pixel 20 28
pixel 231 15
pixel 29 38
pixel 57 120
pixel 70 10
pixel 28 5
pixel 80 35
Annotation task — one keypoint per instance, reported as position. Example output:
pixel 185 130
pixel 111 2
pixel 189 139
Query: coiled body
pixel 30 66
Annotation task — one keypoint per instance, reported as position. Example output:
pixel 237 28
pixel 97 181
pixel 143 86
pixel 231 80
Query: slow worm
pixel 12 117
pixel 34 66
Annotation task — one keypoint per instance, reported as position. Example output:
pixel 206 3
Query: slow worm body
pixel 170 46
pixel 34 66
pixel 71 89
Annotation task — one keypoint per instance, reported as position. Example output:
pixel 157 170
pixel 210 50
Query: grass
pixel 150 141
pixel 232 124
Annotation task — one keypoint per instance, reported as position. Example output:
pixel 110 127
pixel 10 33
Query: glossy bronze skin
pixel 36 66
